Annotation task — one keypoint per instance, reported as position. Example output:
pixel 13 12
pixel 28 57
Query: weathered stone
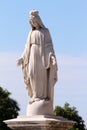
pixel 39 67
pixel 41 122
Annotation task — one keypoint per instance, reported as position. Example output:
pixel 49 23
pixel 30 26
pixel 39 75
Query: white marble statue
pixel 38 62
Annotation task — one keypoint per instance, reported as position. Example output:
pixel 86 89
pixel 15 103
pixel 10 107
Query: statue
pixel 39 66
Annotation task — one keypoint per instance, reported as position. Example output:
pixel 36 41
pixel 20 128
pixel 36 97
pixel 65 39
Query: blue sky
pixel 67 22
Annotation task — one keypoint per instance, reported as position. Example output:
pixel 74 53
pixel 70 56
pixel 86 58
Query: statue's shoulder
pixel 45 30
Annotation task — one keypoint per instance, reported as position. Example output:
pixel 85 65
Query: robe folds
pixel 40 74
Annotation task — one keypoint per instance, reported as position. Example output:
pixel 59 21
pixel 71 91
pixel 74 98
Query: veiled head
pixel 35 20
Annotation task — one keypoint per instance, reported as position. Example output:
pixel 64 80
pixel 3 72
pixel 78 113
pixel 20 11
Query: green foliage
pixel 71 114
pixel 8 108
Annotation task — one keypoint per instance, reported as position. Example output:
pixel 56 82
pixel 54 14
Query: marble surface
pixel 40 122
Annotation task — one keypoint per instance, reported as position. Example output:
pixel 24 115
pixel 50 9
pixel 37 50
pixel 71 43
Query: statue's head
pixel 35 20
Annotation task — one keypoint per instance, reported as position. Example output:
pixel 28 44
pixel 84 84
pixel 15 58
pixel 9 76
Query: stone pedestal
pixel 40 122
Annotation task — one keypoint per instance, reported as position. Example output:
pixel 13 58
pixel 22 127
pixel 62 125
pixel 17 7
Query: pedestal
pixel 40 122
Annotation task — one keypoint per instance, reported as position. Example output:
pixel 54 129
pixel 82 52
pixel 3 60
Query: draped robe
pixel 40 74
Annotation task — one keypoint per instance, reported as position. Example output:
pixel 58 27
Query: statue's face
pixel 33 23
pixel 30 21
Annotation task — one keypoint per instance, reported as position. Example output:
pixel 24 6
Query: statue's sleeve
pixel 26 52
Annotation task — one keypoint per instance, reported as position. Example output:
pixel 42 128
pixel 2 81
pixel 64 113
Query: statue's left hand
pixel 53 60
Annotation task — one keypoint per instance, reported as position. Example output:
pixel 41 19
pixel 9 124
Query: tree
pixel 8 108
pixel 71 114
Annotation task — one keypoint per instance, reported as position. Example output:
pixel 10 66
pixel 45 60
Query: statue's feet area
pixel 33 99
pixel 40 107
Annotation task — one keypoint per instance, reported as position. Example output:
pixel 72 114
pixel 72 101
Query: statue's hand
pixel 20 61
pixel 53 60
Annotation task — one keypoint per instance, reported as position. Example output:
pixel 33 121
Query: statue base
pixel 41 107
pixel 39 122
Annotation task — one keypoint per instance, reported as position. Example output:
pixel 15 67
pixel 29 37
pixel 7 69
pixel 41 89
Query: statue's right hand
pixel 20 61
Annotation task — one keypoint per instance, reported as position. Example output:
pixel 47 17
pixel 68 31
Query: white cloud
pixel 72 67
pixel 80 60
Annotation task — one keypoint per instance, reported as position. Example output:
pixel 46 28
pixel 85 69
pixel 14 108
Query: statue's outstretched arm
pixel 20 61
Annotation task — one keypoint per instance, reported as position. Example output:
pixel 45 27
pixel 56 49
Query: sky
pixel 67 22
